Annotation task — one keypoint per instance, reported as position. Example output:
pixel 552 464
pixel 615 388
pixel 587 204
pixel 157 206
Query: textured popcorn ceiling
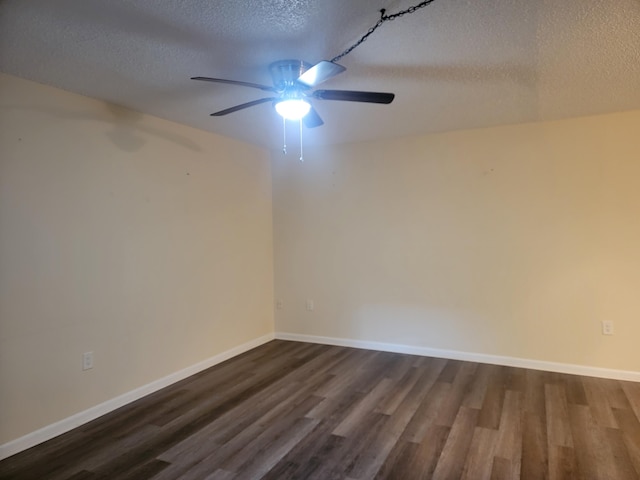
pixel 455 64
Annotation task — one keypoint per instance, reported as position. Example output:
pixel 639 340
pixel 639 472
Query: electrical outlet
pixel 279 304
pixel 607 327
pixel 87 361
pixel 309 305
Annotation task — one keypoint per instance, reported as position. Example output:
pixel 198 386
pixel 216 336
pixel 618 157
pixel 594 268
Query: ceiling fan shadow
pixel 525 75
pixel 126 133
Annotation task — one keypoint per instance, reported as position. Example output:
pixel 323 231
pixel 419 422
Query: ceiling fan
pixel 293 88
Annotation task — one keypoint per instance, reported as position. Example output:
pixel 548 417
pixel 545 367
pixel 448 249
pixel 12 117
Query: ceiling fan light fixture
pixel 293 108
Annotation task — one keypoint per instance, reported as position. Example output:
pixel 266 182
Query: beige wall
pixel 146 242
pixel 514 241
pixel 150 244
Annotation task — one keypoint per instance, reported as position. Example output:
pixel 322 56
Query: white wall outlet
pixel 607 327
pixel 279 304
pixel 87 360
pixel 309 305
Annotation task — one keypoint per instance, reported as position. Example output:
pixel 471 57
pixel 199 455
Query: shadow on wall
pixel 126 132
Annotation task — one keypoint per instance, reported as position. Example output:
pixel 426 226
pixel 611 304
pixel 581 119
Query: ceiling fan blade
pixel 354 96
pixel 242 106
pixel 312 119
pixel 236 82
pixel 319 73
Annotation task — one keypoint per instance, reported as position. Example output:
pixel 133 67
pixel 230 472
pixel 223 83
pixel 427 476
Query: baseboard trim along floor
pixel 467 356
pixel 290 409
pixel 69 423
pixel 50 431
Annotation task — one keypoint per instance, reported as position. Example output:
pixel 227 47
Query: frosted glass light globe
pixel 293 109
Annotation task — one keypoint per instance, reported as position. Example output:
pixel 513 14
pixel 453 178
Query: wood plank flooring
pixel 290 410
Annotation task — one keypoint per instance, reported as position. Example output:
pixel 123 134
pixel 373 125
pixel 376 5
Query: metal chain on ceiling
pixel 383 18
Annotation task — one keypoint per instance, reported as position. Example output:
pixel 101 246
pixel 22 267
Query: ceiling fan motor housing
pixel 285 74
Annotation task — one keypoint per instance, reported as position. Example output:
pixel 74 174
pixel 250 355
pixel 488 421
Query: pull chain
pixel 301 156
pixel 284 139
pixel 284 136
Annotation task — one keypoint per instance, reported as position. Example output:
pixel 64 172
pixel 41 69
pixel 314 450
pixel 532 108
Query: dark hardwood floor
pixel 298 410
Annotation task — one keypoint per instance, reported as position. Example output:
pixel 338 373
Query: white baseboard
pixel 468 356
pixel 74 421
pixel 69 423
